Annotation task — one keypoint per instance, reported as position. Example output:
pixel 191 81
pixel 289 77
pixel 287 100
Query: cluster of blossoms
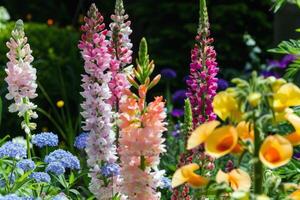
pixel 81 140
pixel 13 150
pixel 21 77
pixel 141 142
pixel 26 165
pixel 202 82
pixel 97 112
pixel 45 139
pixel 120 51
pixel 62 157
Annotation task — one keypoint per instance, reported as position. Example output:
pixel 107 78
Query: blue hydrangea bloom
pixel 11 197
pixel 40 177
pixel 81 140
pixel 166 183
pixel 67 159
pixel 61 196
pixel 26 165
pixel 56 168
pixel 45 139
pixel 13 150
pixel 110 170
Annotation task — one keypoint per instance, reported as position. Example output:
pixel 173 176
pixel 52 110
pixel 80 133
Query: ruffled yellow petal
pixel 201 133
pixel 237 179
pixel 286 96
pixel 277 84
pixel 275 151
pixel 225 105
pixel 294 120
pixel 245 131
pixel 221 141
pixel 295 195
pixel 186 174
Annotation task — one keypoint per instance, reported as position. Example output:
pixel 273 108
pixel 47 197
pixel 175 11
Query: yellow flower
pixel 294 137
pixel 254 99
pixel 200 134
pixel 245 131
pixel 275 151
pixel 237 179
pixel 277 83
pixel 60 103
pixel 186 174
pixel 295 195
pixel 225 105
pixel 286 96
pixel 221 141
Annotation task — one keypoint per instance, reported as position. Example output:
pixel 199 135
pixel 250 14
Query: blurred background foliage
pixel 169 26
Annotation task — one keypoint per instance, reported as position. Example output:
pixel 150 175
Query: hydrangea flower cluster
pixel 21 77
pixel 141 138
pixel 81 140
pixel 13 150
pixel 56 168
pixel 26 165
pixel 120 51
pixel 45 139
pixel 65 158
pixel 41 177
pixel 96 110
pixel 202 82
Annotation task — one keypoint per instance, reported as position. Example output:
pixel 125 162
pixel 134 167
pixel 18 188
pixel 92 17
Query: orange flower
pixel 294 137
pixel 221 141
pixel 201 133
pixel 237 179
pixel 295 195
pixel 275 151
pixel 245 131
pixel 186 174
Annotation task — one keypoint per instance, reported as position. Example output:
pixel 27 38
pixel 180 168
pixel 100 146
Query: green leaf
pixel 71 178
pixel 287 47
pixel 277 5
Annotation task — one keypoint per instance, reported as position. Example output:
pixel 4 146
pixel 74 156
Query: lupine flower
pixel 168 73
pixel 179 96
pixel 110 170
pixel 56 168
pixel 26 165
pixel 177 112
pixel 141 135
pixel 202 83
pixel 45 139
pixel 21 76
pixel 120 50
pixel 40 177
pixel 186 174
pixel 13 150
pixel 238 179
pixel 81 140
pixel 67 159
pixel 97 112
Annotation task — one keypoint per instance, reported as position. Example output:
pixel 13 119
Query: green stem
pixel 28 145
pixel 258 168
pixel 143 163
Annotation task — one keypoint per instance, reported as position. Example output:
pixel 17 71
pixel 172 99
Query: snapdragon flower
pixel 21 77
pixel 45 139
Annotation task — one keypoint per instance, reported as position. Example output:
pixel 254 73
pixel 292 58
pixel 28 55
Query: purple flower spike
pixel 179 96
pixel 222 84
pixel 168 73
pixel 176 112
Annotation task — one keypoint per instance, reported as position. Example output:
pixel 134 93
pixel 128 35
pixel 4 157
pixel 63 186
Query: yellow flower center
pixel 272 155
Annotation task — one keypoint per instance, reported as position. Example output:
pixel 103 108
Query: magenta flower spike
pixel 202 82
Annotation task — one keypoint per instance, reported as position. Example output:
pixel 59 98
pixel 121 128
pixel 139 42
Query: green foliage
pixel 280 3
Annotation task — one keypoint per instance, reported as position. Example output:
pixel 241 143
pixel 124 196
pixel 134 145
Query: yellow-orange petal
pixel 288 95
pixel 294 120
pixel 238 149
pixel 186 174
pixel 245 131
pixel 295 195
pixel 224 105
pixel 237 179
pixel 294 138
pixel 201 133
pixel 275 151
pixel 221 141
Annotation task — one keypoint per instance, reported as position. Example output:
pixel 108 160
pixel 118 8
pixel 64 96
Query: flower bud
pixel 254 99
